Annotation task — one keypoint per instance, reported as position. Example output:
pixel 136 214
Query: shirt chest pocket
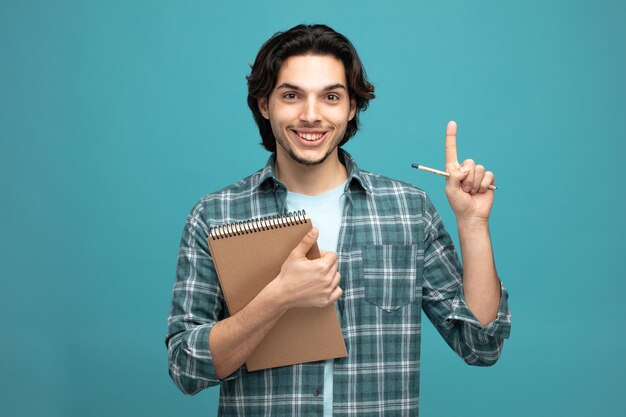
pixel 391 275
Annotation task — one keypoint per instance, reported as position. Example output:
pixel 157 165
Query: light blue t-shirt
pixel 326 211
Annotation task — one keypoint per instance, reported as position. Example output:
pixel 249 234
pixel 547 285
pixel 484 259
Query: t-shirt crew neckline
pixel 319 198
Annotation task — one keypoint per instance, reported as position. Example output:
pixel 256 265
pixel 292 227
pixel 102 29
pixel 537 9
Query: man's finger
pixel 488 179
pixel 334 296
pixel 479 174
pixel 306 244
pixel 468 182
pixel 336 279
pixel 451 144
pixel 329 259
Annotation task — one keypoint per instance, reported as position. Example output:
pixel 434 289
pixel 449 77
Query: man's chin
pixel 308 161
pixel 307 157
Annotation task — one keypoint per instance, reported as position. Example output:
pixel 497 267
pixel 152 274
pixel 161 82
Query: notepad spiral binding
pixel 259 224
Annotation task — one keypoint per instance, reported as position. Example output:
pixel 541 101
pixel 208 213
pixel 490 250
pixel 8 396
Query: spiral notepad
pixel 259 225
pixel 247 256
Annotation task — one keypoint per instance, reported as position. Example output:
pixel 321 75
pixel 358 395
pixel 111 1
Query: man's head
pixel 308 80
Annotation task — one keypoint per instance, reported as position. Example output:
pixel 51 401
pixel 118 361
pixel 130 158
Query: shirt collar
pixel 267 177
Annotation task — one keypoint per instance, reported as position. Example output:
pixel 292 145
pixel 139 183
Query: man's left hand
pixel 467 186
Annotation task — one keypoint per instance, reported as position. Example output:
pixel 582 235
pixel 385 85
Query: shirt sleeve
pixel 444 300
pixel 197 305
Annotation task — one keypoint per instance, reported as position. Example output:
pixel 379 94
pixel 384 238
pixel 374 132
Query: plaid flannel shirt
pixel 395 260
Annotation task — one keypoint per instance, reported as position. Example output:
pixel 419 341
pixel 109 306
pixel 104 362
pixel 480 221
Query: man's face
pixel 309 109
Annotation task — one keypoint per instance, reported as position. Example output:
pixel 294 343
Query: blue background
pixel 117 116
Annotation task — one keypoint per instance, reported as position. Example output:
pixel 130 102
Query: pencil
pixel 443 173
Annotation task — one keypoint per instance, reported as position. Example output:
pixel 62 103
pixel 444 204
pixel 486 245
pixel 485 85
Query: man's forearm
pixel 232 340
pixel 480 280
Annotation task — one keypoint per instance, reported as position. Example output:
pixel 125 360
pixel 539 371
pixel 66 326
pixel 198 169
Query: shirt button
pixel 316 393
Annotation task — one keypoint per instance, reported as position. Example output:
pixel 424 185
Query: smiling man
pixel 386 255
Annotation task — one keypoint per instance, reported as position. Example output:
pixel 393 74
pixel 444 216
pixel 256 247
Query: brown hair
pixel 300 40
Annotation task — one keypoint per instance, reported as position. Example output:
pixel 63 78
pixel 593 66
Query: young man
pixel 386 253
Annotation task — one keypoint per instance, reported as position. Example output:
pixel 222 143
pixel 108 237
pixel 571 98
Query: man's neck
pixel 310 179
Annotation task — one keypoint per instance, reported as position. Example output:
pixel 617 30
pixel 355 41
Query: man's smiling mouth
pixel 309 136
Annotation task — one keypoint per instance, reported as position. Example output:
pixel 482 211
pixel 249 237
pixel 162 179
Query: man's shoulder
pixel 392 196
pixel 395 196
pixel 381 185
pixel 237 192
pixel 239 189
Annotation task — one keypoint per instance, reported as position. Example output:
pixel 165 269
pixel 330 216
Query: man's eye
pixel 332 97
pixel 290 96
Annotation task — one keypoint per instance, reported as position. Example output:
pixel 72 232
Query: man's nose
pixel 310 111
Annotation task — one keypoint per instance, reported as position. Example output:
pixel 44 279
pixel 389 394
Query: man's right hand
pixel 309 282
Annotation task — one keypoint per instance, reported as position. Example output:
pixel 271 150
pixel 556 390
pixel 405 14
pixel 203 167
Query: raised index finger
pixel 451 143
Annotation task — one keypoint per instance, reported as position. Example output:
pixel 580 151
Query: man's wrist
pixel 277 297
pixel 472 225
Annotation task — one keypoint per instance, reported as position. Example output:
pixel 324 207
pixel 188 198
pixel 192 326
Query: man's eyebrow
pixel 327 88
pixel 335 87
pixel 288 86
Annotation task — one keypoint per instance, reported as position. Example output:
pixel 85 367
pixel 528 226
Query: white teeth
pixel 310 136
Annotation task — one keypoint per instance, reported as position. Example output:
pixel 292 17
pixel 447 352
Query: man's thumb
pixel 306 243
pixel 456 176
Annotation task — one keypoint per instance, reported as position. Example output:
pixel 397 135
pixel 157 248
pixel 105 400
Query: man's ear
pixel 263 107
pixel 352 109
